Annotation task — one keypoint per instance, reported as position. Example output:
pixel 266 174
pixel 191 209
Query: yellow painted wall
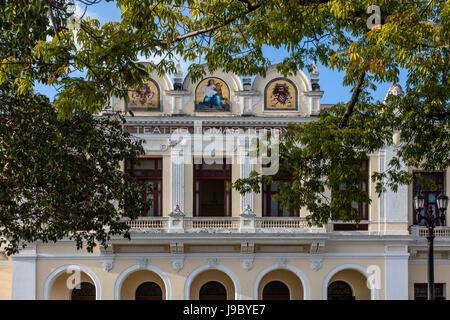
pixel 177 280
pixel 5 282
pixel 418 274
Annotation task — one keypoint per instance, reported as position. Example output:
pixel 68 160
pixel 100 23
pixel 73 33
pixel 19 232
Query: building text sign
pixel 150 129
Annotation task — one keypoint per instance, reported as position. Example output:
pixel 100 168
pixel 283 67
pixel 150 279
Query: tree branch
pixel 426 8
pixel 354 99
pixel 209 29
pixel 52 19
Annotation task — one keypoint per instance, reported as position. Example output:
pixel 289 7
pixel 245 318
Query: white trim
pixel 351 266
pixel 296 271
pixel 159 256
pixel 226 119
pixel 247 199
pixel 177 178
pixel 23 276
pixel 57 272
pixel 396 277
pixel 124 274
pixel 197 271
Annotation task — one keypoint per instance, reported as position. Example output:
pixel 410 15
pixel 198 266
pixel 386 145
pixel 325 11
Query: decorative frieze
pixel 316 263
pixel 177 264
pixel 107 263
pixel 317 247
pixel 142 263
pixel 247 263
pixel 212 262
pixel 247 247
pixel 282 262
pixel 154 147
pixel 176 247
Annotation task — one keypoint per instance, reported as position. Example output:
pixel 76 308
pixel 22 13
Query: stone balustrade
pixel 222 224
pixel 422 231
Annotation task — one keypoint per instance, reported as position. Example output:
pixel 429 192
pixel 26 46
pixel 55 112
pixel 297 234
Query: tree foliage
pixel 39 46
pixel 61 178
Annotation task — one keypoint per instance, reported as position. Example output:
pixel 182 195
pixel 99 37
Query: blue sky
pixel 330 80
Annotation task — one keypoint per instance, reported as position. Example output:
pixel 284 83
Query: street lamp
pixel 430 220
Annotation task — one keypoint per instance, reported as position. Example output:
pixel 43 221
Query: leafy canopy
pixel 410 35
pixel 61 178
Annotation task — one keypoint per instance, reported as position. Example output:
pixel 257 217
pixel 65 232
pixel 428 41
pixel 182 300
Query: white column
pixel 177 160
pixel 24 276
pixel 246 168
pixel 396 203
pixel 396 280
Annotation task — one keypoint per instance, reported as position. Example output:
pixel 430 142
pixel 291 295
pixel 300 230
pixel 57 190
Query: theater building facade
pixel 201 240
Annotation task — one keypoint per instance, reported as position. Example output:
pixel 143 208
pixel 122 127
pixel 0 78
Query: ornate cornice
pixel 222 121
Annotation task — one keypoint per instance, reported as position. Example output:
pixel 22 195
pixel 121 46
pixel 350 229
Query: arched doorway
pixel 60 284
pixel 340 290
pixel 148 291
pixel 275 290
pixel 199 279
pixel 83 291
pixel 142 285
pixel 280 284
pixel 213 290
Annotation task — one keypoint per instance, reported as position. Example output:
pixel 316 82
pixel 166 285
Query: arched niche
pixel 149 290
pixel 276 290
pixel 196 283
pixel 60 283
pixel 287 278
pixel 154 82
pixel 129 281
pixel 229 81
pixel 282 95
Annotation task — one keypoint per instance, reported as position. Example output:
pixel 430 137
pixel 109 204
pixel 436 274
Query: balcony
pixel 222 225
pixel 439 232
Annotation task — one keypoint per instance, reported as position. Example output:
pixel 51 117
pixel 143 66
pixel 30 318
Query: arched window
pixel 275 290
pixel 213 290
pixel 148 291
pixel 340 290
pixel 85 291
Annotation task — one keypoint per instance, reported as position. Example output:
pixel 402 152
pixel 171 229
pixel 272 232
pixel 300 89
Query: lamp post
pixel 430 220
